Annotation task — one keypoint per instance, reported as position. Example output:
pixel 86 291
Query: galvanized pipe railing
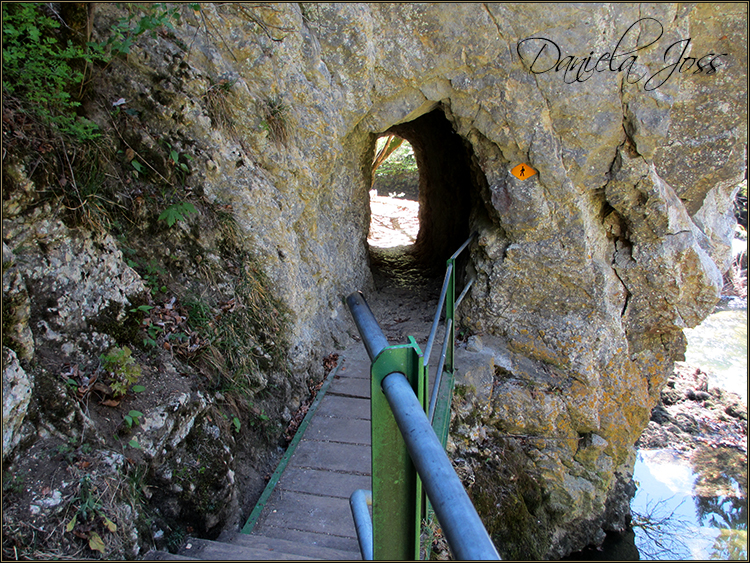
pixel 436 320
pixel 458 518
pixel 446 292
pixel 439 373
pixel 360 503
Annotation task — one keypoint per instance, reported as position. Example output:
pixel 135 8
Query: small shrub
pixel 177 212
pixel 217 106
pixel 122 368
pixel 41 72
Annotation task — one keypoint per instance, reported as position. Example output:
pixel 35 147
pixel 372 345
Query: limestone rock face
pixel 635 119
pixel 586 272
pixel 17 389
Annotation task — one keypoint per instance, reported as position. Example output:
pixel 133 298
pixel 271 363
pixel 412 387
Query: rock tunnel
pixel 450 184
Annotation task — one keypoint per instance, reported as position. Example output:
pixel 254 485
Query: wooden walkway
pixel 304 513
pixel 310 502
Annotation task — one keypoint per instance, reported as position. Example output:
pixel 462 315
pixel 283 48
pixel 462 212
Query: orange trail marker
pixel 523 171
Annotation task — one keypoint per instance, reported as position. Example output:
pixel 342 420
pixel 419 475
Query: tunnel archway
pixel 448 188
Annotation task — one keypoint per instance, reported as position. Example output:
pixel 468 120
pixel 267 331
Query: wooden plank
pixel 284 545
pixel 311 513
pixel 154 555
pixel 335 456
pixel 218 551
pixel 327 483
pixel 351 386
pixel 356 367
pixel 335 429
pixel 344 407
pixel 255 514
pixel 342 543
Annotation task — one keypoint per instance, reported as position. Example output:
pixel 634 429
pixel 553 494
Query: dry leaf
pixel 111 526
pixel 102 388
pixel 72 523
pixel 96 543
pixel 110 403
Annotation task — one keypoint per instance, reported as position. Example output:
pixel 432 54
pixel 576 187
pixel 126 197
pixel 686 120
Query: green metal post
pixel 450 313
pixel 396 487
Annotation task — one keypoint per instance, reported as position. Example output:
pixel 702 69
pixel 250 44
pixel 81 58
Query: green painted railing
pixel 408 442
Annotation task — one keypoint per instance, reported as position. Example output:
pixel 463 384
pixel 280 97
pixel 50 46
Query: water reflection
pixel 687 510
pixel 694 508
pixel 721 488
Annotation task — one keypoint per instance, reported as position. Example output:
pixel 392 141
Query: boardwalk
pixel 310 502
pixel 305 513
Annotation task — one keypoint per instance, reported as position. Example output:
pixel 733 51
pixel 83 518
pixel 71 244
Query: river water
pixel 693 510
pixel 698 510
pixel 719 346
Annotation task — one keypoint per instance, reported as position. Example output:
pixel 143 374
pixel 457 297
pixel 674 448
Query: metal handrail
pixel 449 321
pixel 360 501
pixel 460 522
pixel 436 319
pixel 439 373
pixel 458 518
pixel 444 290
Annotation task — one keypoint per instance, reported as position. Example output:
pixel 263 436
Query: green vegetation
pixel 394 156
pixel 133 418
pixel 274 118
pixel 152 274
pixel 90 506
pixel 246 336
pixel 48 67
pixel 122 369
pixel 46 75
pixel 177 212
pixel 41 72
pixel 13 483
pixel 217 107
pixel 130 176
pixel 148 19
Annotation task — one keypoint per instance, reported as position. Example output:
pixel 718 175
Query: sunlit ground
pixel 393 222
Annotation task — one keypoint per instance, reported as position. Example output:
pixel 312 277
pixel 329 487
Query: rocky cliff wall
pixel 634 117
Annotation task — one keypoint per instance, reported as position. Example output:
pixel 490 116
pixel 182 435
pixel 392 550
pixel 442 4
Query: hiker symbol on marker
pixel 523 171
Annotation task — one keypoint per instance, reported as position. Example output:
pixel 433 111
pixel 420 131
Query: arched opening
pixel 447 193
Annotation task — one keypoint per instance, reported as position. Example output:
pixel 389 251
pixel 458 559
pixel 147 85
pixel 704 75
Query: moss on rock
pixel 511 503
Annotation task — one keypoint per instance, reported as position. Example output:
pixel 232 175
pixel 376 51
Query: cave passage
pixel 447 194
